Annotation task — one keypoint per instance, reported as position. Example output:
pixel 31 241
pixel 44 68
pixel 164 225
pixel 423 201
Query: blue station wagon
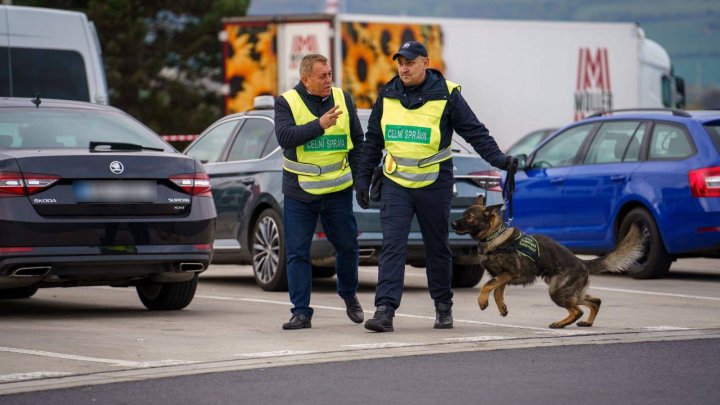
pixel 585 185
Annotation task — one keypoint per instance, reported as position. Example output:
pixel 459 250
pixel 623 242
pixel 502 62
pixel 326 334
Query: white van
pixel 53 53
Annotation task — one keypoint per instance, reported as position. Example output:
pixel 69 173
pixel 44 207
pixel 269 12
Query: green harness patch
pixel 404 133
pixel 526 245
pixel 327 143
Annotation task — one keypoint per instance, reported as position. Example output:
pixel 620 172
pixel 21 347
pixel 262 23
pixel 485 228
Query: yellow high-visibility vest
pixel 322 166
pixel 412 140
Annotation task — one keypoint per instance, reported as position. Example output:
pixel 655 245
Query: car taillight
pixel 705 182
pixel 194 184
pixel 489 180
pixel 14 184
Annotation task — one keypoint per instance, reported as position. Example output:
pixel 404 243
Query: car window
pixel 632 152
pixel 713 129
pixel 526 144
pixel 209 147
pixel 251 139
pixel 562 149
pixel 271 145
pixel 611 141
pixel 68 128
pixel 669 142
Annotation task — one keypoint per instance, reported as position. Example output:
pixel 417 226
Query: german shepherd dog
pixel 513 257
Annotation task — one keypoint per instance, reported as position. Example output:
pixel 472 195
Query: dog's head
pixel 479 220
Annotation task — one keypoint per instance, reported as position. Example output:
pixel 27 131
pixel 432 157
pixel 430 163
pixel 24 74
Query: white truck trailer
pixel 517 76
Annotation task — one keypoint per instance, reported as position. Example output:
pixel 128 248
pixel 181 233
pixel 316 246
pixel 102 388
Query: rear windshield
pixel 713 129
pixel 68 128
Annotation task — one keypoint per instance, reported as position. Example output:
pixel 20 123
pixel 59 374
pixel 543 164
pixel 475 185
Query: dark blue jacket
pixel 457 116
pixel 290 136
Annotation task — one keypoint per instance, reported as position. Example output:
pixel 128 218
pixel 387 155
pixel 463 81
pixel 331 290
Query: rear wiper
pixel 119 146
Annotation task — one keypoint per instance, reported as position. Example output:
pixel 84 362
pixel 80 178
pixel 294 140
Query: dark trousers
pixel 398 205
pixel 338 221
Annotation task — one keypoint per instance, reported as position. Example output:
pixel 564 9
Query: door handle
pixel 247 181
pixel 618 177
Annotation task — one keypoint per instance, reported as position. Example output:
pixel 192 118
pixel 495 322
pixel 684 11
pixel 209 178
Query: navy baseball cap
pixel 411 50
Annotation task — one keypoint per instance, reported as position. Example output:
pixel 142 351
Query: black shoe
pixel 298 321
pixel 382 321
pixel 443 316
pixel 354 310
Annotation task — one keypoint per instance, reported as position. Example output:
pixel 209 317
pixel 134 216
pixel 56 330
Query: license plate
pixel 115 191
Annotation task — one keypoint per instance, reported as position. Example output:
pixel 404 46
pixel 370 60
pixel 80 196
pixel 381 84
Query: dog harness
pixel 523 244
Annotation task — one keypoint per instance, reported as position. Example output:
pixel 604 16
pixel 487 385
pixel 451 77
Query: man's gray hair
pixel 307 62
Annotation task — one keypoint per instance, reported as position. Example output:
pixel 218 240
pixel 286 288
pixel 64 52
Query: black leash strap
pixel 509 188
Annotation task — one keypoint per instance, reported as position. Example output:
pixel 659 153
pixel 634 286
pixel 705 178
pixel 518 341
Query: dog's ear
pixel 480 200
pixel 493 209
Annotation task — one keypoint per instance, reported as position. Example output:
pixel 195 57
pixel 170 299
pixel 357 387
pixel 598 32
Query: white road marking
pixel 696 297
pixel 30 376
pixel 114 362
pixel 476 338
pixel 381 345
pixel 664 328
pixel 277 353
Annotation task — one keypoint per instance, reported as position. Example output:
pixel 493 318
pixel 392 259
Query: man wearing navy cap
pixel 413 120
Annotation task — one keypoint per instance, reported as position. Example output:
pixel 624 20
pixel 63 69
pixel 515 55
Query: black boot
pixel 443 316
pixel 382 321
pixel 354 310
pixel 298 321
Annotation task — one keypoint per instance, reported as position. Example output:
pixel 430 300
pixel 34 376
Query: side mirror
pixel 522 161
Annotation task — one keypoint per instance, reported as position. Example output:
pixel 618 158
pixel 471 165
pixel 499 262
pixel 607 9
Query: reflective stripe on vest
pixel 412 140
pixel 321 165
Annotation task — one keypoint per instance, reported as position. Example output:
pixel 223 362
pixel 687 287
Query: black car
pixel 244 162
pixel 89 196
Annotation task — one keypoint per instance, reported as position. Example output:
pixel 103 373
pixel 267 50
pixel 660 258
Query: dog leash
pixel 509 188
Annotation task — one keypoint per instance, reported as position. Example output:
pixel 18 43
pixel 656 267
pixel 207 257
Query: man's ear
pixel 493 209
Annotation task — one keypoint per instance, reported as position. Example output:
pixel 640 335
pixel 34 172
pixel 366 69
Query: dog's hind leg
pixel 594 305
pixel 574 313
pixel 492 284
pixel 499 294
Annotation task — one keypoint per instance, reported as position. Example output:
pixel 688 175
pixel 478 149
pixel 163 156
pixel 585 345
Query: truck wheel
pixel 268 252
pixel 17 293
pixel 467 275
pixel 656 261
pixel 323 272
pixel 167 296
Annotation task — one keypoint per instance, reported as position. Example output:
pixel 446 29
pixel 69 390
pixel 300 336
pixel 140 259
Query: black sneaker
pixel 354 309
pixel 298 321
pixel 443 316
pixel 382 321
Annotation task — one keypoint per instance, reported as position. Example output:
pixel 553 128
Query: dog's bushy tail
pixel 628 251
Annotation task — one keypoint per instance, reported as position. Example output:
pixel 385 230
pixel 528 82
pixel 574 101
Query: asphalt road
pixel 89 339
pixel 658 373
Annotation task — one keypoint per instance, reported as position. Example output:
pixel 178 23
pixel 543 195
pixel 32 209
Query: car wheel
pixel 467 275
pixel 167 296
pixel 268 252
pixel 17 293
pixel 656 261
pixel 323 272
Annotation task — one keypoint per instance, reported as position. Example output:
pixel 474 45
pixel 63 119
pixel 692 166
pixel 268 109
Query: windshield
pixel 68 128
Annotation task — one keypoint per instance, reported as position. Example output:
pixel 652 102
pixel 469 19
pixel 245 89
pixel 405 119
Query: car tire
pixel 323 272
pixel 656 261
pixel 467 275
pixel 167 296
pixel 268 252
pixel 18 293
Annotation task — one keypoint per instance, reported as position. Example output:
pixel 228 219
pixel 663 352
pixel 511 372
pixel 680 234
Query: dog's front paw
pixel 556 325
pixel 483 303
pixel 503 310
pixel 584 324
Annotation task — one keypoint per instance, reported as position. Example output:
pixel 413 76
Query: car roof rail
pixel 676 112
pixel 264 102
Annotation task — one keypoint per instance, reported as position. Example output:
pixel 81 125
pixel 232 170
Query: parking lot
pixel 92 335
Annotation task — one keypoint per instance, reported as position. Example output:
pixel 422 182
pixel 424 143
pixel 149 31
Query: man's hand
pixel 330 118
pixel 363 198
pixel 511 163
